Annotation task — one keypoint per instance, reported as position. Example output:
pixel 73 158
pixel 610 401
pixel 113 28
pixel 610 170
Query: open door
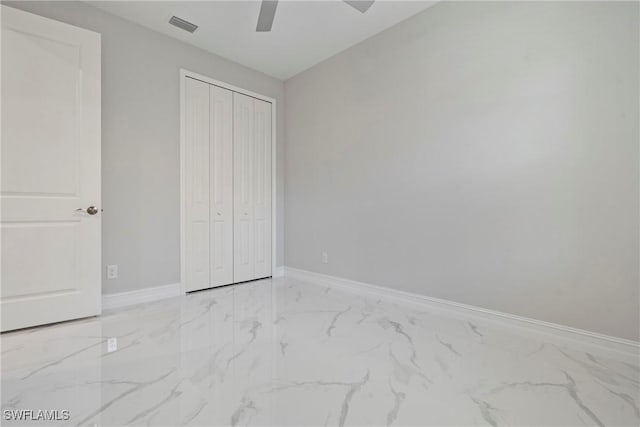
pixel 50 181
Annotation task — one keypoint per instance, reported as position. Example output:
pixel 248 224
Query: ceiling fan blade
pixel 267 13
pixel 360 5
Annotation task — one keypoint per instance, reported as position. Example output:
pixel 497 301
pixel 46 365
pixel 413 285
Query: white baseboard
pixel 279 271
pixel 123 299
pixel 553 330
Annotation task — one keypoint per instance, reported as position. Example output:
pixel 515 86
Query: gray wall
pixel 140 140
pixel 483 153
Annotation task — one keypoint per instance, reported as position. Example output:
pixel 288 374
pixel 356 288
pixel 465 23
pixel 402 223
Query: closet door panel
pixel 262 189
pixel 221 184
pixel 243 172
pixel 196 153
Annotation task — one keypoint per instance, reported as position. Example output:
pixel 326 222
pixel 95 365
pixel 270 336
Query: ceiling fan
pixel 268 11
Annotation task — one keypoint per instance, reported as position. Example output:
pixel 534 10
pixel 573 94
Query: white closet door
pixel 227 186
pixel 243 165
pixel 262 189
pixel 196 185
pixel 221 167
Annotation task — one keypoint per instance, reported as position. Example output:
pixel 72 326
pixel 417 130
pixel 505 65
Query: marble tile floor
pixel 283 352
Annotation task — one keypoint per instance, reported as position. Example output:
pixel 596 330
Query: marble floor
pixel 285 352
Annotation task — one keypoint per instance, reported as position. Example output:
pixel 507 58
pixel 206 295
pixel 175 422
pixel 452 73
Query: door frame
pixel 183 75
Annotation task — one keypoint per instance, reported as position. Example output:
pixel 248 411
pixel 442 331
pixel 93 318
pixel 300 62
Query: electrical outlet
pixel 112 344
pixel 112 271
pixel 325 258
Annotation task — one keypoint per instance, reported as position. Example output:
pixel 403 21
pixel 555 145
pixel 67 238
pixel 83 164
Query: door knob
pixel 91 210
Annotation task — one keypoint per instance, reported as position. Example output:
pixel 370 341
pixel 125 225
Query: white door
pixel 243 187
pixel 221 164
pixel 196 186
pixel 50 92
pixel 262 189
pixel 208 181
pixel 252 188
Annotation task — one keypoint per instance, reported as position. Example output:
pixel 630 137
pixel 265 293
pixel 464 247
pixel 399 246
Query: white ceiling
pixel 304 33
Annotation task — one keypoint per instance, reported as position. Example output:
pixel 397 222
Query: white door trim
pixel 140 296
pixel 186 73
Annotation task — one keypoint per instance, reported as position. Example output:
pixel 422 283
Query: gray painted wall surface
pixel 141 137
pixel 483 153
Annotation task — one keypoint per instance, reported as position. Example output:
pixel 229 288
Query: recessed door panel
pixel 200 257
pixel 55 244
pixel 219 258
pixel 42 84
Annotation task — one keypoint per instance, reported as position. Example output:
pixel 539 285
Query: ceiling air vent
pixel 182 24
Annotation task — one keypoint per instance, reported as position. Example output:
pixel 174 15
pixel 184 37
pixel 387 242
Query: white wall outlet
pixel 112 271
pixel 112 344
pixel 325 258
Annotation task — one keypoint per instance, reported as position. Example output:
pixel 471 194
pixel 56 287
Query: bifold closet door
pixel 196 152
pixel 262 189
pixel 252 188
pixel 208 185
pixel 221 184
